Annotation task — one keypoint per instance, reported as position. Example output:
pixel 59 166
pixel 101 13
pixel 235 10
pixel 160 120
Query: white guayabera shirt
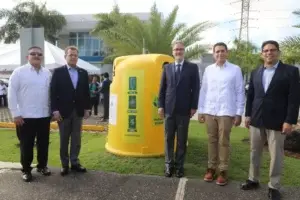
pixel 222 91
pixel 29 92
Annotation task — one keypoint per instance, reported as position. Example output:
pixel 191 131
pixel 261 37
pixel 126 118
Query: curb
pixel 54 125
pixel 12 166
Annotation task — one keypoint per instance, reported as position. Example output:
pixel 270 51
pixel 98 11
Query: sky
pixel 270 19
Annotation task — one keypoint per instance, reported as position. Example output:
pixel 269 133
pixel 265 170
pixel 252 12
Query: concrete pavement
pixel 96 185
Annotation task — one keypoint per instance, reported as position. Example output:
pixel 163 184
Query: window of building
pixel 86 44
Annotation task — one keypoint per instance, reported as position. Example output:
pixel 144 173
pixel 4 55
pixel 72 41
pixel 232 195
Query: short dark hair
pixel 35 47
pixel 74 48
pixel 220 44
pixel 273 42
pixel 105 75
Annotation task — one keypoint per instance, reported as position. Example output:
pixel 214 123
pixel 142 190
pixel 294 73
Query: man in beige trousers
pixel 221 105
pixel 271 109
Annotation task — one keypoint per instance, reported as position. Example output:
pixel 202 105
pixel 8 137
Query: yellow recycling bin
pixel 135 128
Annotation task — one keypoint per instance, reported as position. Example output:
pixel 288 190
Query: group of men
pixel 35 97
pixel 272 108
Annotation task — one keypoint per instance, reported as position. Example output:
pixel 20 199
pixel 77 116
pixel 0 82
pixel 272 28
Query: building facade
pixel 77 33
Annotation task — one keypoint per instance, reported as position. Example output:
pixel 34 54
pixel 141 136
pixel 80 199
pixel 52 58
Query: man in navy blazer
pixel 272 108
pixel 70 102
pixel 178 102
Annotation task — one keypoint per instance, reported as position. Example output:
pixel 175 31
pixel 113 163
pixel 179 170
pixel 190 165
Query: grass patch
pixel 94 156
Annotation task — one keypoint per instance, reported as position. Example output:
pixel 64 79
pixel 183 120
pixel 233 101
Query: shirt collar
pixel 33 68
pixel 181 63
pixel 274 66
pixel 69 67
pixel 224 65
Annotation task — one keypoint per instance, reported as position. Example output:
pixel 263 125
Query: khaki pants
pixel 258 137
pixel 218 130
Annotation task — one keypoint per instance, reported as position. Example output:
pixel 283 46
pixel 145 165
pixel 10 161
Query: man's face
pixel 71 57
pixel 220 54
pixel 35 57
pixel 270 53
pixel 94 80
pixel 178 52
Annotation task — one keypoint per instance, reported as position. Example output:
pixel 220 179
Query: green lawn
pixel 94 156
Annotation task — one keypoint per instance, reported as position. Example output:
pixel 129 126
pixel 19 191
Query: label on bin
pixel 133 124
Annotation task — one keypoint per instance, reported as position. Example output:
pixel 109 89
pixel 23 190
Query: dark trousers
pixel 38 128
pixel 70 128
pixel 3 100
pixel 94 104
pixel 106 106
pixel 180 125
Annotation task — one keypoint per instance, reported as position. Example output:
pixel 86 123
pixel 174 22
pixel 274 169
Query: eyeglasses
pixel 36 54
pixel 179 49
pixel 269 50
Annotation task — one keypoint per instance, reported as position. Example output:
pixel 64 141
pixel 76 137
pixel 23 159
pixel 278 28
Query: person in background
pixel 94 94
pixel 70 102
pixel 3 94
pixel 31 114
pixel 272 108
pixel 178 102
pixel 221 105
pixel 105 89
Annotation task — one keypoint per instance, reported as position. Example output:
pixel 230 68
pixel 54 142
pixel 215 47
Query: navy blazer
pixel 279 104
pixel 64 97
pixel 182 97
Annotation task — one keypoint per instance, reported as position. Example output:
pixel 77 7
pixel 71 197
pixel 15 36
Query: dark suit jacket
pixel 105 87
pixel 64 98
pixel 279 104
pixel 182 97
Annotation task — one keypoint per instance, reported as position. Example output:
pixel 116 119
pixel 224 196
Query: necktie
pixel 177 73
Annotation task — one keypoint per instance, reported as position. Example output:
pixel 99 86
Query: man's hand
pixel 161 113
pixel 193 111
pixel 86 114
pixel 19 121
pixel 237 120
pixel 247 122
pixel 201 118
pixel 286 128
pixel 56 116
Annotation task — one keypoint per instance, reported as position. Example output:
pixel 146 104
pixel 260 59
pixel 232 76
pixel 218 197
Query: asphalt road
pixel 96 185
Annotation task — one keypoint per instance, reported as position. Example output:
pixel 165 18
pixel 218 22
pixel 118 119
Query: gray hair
pixel 177 42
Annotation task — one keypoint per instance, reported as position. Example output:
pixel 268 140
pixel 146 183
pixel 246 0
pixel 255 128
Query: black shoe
pixel 274 194
pixel 250 185
pixel 64 171
pixel 78 168
pixel 44 171
pixel 168 172
pixel 179 173
pixel 27 176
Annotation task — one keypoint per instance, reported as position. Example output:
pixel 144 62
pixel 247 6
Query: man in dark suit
pixel 272 108
pixel 70 102
pixel 178 102
pixel 105 92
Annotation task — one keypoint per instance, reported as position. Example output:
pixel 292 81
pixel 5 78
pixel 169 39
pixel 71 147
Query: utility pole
pixel 244 24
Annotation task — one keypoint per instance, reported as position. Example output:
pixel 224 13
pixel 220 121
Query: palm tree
pixel 128 35
pixel 29 14
pixel 245 54
pixel 290 46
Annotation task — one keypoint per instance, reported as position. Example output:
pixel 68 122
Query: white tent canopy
pixel 54 57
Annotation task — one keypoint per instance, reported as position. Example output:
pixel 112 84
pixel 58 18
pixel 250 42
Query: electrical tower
pixel 244 24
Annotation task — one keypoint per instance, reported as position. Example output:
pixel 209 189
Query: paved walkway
pixel 97 185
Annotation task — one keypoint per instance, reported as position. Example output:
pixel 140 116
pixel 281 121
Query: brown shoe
pixel 209 176
pixel 222 178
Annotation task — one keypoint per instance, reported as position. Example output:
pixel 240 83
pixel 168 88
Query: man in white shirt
pixel 29 104
pixel 221 105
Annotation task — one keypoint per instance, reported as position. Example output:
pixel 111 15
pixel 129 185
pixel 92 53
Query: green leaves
pixel 127 35
pixel 28 14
